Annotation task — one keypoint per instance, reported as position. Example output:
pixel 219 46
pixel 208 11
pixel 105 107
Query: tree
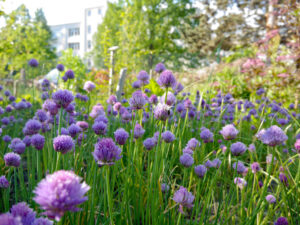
pixel 22 39
pixel 224 24
pixel 146 32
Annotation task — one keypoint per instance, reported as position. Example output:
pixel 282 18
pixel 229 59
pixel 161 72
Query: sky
pixel 56 11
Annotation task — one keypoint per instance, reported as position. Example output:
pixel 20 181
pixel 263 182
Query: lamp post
pixel 111 70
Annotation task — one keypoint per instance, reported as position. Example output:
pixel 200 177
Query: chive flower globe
pixel 297 145
pixel 74 130
pixel 240 182
pixel 271 199
pixel 62 98
pixel 18 146
pixel 143 76
pixel 168 136
pixel 137 101
pixel 206 135
pixel 184 198
pixel 149 143
pixel 32 127
pixel 51 107
pixel 41 115
pixel 9 219
pixel 238 148
pixel 153 99
pixel 4 183
pixel 60 192
pixel 171 99
pixel 160 67
pixel 273 136
pixel 60 67
pixel 164 187
pixel 33 63
pixel 281 221
pixel 106 152
pixel 63 144
pixel 239 167
pixel 38 141
pixel 23 211
pixel 70 74
pixel 99 128
pixel 89 86
pixel 138 131
pixel 186 160
pixel 193 143
pixel 42 221
pixel 167 79
pixel 121 136
pixel 12 159
pixel 162 112
pixel 200 170
pixel 229 132
pixel 255 167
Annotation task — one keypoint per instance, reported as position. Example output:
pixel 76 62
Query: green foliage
pixel 146 32
pixel 23 38
pixel 238 53
pixel 76 64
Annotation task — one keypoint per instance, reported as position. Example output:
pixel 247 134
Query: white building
pixel 79 35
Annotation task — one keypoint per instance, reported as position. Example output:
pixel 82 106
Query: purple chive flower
pixel 167 79
pixel 32 127
pixel 9 219
pixel 255 167
pixel 297 145
pixel 164 188
pixel 64 78
pixel 6 138
pixel 283 179
pixel 193 143
pixel 239 167
pixel 117 106
pixel 137 84
pixel 206 135
pixel 188 150
pixel 38 141
pixel 238 148
pixel 41 115
pixel 160 67
pixel 112 99
pixel 162 112
pixel 99 128
pixel 184 198
pixel 42 221
pixel 274 136
pixel 149 143
pixel 200 170
pixel 12 159
pixel 4 182
pixel 63 144
pixel 7 93
pixel 60 192
pixel 89 86
pixel 106 152
pixel 83 125
pixel 74 130
pixel 23 211
pixel 62 98
pixel 138 131
pixel 12 98
pixel 33 63
pixel 50 106
pixel 60 67
pixel 186 160
pixel 251 148
pixel 64 131
pixel 153 99
pixel 168 136
pixel 229 132
pixel 240 182
pixel 179 88
pixel 17 145
pixel 281 221
pixel 171 99
pixel 121 136
pixel 137 101
pixel 271 199
pixel 216 163
pixel 5 121
pixel 69 74
pixel 143 76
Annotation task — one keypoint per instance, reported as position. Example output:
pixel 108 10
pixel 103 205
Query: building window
pixel 89 44
pixel 89 12
pixel 74 31
pixel 89 29
pixel 74 46
pixel 99 11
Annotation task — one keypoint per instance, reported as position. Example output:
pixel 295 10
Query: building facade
pixel 79 35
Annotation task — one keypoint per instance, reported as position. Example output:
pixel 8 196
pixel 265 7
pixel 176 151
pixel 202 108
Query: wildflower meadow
pixel 148 159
